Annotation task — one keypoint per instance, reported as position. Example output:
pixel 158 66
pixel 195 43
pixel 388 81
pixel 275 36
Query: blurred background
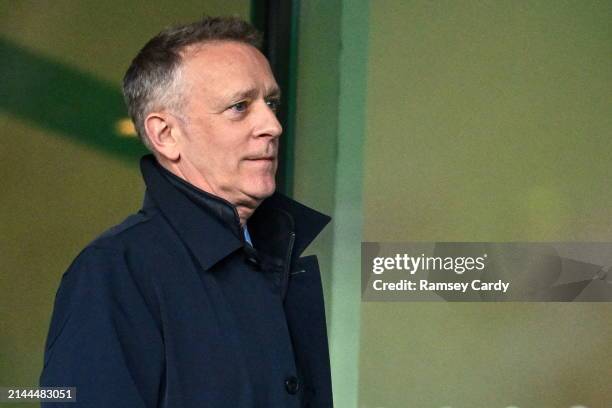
pixel 408 121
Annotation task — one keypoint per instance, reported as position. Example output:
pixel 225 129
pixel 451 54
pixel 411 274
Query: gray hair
pixel 152 81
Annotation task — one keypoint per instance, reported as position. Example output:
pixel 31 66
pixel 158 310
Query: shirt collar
pixel 209 226
pixel 247 236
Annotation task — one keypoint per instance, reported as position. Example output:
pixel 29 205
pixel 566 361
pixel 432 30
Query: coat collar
pixel 209 236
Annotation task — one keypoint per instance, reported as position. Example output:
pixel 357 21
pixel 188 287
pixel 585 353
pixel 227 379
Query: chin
pixel 261 189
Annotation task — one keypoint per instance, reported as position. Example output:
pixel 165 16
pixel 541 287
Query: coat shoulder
pixel 142 245
pixel 140 236
pixel 114 267
pixel 133 228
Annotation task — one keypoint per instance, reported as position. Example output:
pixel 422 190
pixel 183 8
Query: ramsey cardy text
pixel 425 285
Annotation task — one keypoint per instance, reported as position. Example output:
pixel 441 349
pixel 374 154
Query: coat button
pixel 292 385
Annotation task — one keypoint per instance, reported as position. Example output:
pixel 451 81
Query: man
pixel 201 299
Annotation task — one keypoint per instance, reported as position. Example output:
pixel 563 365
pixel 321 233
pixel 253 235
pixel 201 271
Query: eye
pixel 239 107
pixel 273 104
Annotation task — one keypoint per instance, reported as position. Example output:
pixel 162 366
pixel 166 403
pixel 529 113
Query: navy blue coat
pixel 172 308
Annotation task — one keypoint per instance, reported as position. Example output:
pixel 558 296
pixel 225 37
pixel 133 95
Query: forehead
pixel 222 67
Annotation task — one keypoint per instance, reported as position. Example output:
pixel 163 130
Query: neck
pixel 244 213
pixel 244 207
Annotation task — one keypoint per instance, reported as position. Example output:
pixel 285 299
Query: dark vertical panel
pixel 278 21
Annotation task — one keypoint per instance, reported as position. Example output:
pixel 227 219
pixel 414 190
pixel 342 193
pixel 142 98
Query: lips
pixel 267 162
pixel 264 158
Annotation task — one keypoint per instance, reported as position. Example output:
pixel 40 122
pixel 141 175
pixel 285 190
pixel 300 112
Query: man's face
pixel 230 130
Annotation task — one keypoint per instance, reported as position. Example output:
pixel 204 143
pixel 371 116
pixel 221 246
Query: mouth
pixel 262 158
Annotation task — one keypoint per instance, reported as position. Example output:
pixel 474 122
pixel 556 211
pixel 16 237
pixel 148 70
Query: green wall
pixel 487 121
pixel 332 63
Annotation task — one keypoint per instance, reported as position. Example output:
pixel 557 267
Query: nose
pixel 267 123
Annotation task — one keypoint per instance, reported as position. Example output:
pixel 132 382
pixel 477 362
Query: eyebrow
pixel 251 93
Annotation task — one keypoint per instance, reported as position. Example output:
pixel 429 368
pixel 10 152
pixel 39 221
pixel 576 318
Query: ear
pixel 163 133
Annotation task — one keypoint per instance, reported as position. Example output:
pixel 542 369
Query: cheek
pixel 221 147
pixel 217 148
pixel 230 164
